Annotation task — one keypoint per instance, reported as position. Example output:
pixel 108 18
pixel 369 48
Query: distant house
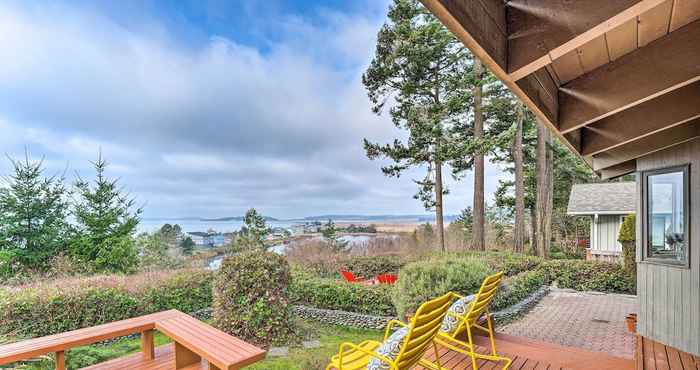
pixel 207 239
pixel 607 204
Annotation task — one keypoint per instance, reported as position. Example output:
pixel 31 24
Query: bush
pixel 421 281
pixel 69 304
pixel 250 297
pixel 334 294
pixel 628 239
pixel 371 266
pixel 517 288
pixel 589 276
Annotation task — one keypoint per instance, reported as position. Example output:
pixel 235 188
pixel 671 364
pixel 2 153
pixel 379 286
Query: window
pixel 666 222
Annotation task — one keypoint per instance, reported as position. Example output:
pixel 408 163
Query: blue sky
pixel 206 107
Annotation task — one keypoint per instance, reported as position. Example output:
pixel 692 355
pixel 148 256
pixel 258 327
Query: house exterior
pixel 207 239
pixel 618 83
pixel 606 204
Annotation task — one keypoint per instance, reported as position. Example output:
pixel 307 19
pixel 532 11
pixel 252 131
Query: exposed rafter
pixel 545 30
pixel 666 64
pixel 621 169
pixel 647 145
pixel 652 116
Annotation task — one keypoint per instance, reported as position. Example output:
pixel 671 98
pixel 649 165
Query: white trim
pixel 605 213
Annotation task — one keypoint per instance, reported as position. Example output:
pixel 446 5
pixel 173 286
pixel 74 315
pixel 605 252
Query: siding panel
pixel 669 297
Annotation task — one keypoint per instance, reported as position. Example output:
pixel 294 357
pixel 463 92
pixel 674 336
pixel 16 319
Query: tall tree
pixel 33 213
pixel 105 223
pixel 519 224
pixel 543 208
pixel 252 233
pixel 331 238
pixel 478 228
pixel 420 67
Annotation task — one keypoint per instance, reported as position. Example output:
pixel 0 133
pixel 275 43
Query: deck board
pixel 653 355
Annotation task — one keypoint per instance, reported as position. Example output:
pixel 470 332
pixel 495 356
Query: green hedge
pixel 77 303
pixel 421 281
pixel 589 276
pixel 370 267
pixel 518 287
pixel 334 294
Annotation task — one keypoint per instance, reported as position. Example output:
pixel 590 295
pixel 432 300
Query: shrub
pixel 250 297
pixel 334 294
pixel 69 304
pixel 371 266
pixel 589 275
pixel 421 281
pixel 628 238
pixel 518 287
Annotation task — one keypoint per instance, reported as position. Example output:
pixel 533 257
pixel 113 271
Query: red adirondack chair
pixel 350 277
pixel 387 279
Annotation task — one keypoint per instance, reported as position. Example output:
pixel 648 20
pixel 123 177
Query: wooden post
pixel 184 357
pixel 60 360
pixel 147 346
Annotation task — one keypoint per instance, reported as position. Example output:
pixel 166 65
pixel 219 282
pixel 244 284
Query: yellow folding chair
pixel 420 332
pixel 477 309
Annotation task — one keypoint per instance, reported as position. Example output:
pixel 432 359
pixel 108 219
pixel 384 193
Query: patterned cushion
pixel 390 349
pixel 459 308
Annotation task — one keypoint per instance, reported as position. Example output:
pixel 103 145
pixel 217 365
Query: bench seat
pixel 164 360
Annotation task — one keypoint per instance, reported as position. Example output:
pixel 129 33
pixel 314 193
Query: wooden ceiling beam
pixel 666 111
pixel 619 170
pixel 544 30
pixel 647 145
pixel 664 65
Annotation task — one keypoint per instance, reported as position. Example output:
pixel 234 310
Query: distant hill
pixel 234 218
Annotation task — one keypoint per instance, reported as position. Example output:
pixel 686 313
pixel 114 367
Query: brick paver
pixel 590 321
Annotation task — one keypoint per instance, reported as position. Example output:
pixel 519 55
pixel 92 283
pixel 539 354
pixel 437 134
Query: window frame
pixel 646 255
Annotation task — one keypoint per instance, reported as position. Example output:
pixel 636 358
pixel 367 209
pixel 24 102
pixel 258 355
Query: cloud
pixel 207 128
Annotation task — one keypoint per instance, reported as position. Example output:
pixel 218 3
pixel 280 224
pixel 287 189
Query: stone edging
pixel 522 307
pixel 344 318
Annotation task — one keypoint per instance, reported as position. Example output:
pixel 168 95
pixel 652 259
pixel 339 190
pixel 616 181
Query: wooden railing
pixel 194 340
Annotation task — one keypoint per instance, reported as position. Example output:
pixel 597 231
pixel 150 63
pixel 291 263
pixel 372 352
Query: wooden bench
pixel 196 345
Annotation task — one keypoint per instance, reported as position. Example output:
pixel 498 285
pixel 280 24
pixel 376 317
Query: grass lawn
pixel 299 358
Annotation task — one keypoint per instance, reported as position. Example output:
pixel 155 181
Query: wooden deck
pixel 533 355
pixel 653 355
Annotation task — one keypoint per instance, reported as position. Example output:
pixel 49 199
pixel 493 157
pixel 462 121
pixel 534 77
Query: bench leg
pixel 60 360
pixel 184 357
pixel 147 344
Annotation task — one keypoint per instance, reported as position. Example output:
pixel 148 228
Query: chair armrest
pixel 390 326
pixel 346 348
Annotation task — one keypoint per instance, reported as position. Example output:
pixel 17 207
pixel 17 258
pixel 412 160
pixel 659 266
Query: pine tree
pixel 33 213
pixel 421 67
pixel 331 238
pixel 187 246
pixel 252 233
pixel 105 223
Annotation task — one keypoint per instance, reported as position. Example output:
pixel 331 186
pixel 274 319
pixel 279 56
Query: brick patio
pixel 591 321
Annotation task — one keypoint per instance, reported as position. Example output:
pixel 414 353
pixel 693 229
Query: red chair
pixel 387 279
pixel 351 278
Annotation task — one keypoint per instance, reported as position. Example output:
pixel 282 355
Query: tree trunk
pixel 519 227
pixel 478 227
pixel 533 231
pixel 543 230
pixel 439 223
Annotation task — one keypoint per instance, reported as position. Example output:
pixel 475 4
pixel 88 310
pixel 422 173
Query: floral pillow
pixel 459 308
pixel 389 349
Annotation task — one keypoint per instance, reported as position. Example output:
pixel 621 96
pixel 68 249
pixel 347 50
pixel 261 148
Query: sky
pixel 207 108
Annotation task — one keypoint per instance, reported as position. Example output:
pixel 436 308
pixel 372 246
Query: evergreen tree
pixel 466 220
pixel 422 68
pixel 187 246
pixel 331 238
pixel 252 233
pixel 105 223
pixel 33 212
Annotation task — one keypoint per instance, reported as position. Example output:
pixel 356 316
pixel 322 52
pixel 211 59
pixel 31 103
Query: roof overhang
pixel 602 213
pixel 615 80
